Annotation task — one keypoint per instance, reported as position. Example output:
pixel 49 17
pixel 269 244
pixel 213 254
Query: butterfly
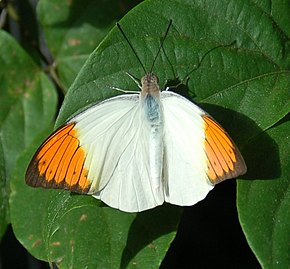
pixel 136 151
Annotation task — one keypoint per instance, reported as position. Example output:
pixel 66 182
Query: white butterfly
pixel 135 151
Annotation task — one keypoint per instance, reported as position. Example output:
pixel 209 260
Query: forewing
pixel 103 151
pixel 59 162
pixel 195 154
pixel 223 156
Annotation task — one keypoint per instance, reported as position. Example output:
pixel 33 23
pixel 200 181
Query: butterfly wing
pixel 102 152
pixel 198 152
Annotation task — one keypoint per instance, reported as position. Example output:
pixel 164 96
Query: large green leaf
pixel 28 103
pixel 73 29
pixel 227 76
pixel 76 231
pixel 264 201
pixel 244 86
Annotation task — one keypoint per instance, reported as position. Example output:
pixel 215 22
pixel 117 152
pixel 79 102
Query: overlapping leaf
pixel 28 103
pixel 74 28
pixel 264 199
pixel 77 231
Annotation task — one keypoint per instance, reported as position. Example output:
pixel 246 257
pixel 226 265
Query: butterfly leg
pixel 122 90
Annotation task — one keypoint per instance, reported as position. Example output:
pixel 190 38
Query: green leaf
pixel 258 103
pixel 73 29
pixel 280 12
pixel 244 86
pixel 227 77
pixel 77 231
pixel 4 213
pixel 28 102
pixel 264 199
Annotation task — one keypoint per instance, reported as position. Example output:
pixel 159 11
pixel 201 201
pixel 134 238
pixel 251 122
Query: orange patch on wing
pixel 47 150
pixel 214 164
pixel 59 162
pixel 224 160
pixel 78 172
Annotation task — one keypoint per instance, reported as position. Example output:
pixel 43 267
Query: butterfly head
pixel 149 84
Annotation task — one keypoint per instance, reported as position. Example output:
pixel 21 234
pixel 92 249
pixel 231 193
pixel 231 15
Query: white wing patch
pixel 185 166
pixel 115 136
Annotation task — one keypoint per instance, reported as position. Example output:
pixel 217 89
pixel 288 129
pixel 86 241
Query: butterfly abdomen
pixel 153 116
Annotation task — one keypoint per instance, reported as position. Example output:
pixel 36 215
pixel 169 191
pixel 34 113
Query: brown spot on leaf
pixel 152 246
pixel 83 217
pixel 36 243
pixel 74 42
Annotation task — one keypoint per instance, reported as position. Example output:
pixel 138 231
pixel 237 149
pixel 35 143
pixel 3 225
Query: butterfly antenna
pixel 161 44
pixel 168 60
pixel 132 48
pixel 203 57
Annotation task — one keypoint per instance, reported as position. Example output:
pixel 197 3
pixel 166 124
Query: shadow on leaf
pixel 260 151
pixel 147 227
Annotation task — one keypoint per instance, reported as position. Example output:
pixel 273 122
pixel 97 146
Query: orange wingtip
pixel 59 162
pixel 224 158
